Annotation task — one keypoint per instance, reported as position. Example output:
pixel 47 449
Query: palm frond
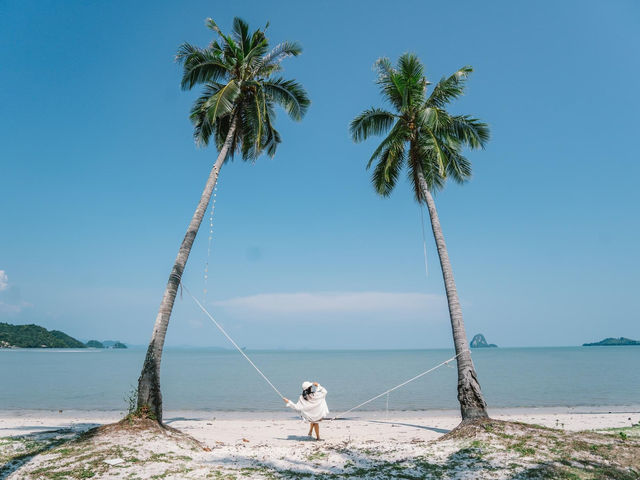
pixel 432 118
pixel 412 80
pixel 236 72
pixel 470 131
pixel 289 94
pixel 373 121
pixel 429 142
pixel 269 62
pixel 435 138
pixel 449 88
pixel 458 167
pixel 241 34
pixel 385 175
pixel 388 82
pixel 203 127
pixel 272 137
pixel 199 66
pixel 211 24
pixel 396 137
pixel 424 161
pixel 222 102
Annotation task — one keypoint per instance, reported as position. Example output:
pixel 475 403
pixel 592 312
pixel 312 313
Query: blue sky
pixel 99 176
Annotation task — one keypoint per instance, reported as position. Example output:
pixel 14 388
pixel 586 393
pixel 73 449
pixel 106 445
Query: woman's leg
pixel 310 428
pixel 316 426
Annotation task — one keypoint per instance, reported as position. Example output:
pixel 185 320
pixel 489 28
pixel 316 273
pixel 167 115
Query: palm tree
pixel 422 135
pixel 236 109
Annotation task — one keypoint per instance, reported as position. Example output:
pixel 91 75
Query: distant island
pixel 480 342
pixel 35 336
pixel 612 342
pixel 113 344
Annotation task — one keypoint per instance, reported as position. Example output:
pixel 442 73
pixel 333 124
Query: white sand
pixel 278 440
pixel 281 428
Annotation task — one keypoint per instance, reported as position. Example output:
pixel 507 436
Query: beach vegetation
pixel 131 400
pixel 421 136
pixel 240 77
pixel 471 450
pixel 317 455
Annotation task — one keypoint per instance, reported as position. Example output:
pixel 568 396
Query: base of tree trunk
pixel 472 404
pixel 149 394
pixel 470 415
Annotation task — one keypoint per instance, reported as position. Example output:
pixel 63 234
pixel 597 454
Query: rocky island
pixel 480 342
pixel 612 342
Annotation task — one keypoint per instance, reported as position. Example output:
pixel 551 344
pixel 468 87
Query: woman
pixel 311 405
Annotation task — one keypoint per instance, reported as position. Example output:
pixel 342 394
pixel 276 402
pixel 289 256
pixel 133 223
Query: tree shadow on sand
pixel 353 463
pixel 17 450
pixel 423 427
pixel 466 462
pixel 482 449
pixel 299 438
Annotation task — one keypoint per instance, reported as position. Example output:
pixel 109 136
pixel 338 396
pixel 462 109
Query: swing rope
pixel 424 241
pixel 206 312
pixel 232 342
pixel 387 392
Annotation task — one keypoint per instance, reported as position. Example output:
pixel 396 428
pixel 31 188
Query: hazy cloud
pixel 345 303
pixel 4 280
pixel 10 300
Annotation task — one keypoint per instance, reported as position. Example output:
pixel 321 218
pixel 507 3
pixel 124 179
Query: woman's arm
pixel 320 392
pixel 290 404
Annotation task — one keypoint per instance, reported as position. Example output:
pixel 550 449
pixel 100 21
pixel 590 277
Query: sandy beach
pixel 280 429
pixel 275 445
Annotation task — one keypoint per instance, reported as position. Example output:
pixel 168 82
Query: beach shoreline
pixel 369 444
pixel 231 424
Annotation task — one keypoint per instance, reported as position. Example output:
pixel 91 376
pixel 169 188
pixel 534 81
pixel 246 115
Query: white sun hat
pixel 306 385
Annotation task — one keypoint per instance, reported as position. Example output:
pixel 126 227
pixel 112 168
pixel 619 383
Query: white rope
pixel 446 362
pixel 396 387
pixel 206 264
pixel 234 343
pixel 424 241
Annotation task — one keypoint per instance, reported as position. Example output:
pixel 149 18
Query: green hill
pixel 34 336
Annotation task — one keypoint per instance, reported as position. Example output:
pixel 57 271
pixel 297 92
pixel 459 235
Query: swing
pixel 208 314
pixel 386 392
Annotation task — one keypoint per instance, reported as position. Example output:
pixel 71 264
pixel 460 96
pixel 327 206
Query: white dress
pixel 315 408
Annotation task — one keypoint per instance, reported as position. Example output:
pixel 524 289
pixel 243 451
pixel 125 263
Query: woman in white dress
pixel 311 405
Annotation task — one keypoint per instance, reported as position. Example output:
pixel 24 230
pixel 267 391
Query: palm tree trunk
pixel 472 404
pixel 149 394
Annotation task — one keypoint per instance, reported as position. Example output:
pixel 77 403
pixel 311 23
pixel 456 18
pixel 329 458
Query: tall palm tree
pixel 240 90
pixel 424 137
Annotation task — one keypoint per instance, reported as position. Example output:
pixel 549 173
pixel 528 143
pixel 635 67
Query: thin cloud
pixel 404 304
pixel 10 301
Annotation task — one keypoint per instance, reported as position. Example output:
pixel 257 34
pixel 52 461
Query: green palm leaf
pixel 200 66
pixel 237 74
pixel 385 175
pixel 289 95
pixel 449 88
pixel 435 137
pixel 373 121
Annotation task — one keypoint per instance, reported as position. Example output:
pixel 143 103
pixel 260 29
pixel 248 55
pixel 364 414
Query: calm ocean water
pixel 202 379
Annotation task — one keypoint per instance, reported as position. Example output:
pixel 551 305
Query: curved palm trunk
pixel 472 404
pixel 149 395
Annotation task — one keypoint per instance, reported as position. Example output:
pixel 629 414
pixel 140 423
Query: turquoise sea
pixel 205 379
